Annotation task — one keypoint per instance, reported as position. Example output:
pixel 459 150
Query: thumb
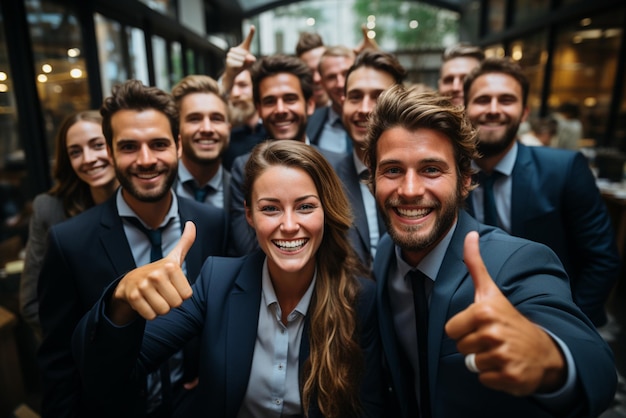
pixel 248 41
pixel 483 283
pixel 187 239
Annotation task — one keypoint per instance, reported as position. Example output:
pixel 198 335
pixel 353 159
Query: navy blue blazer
pixel 85 254
pixel 531 276
pixel 242 236
pixel 223 311
pixel 360 234
pixel 315 124
pixel 555 201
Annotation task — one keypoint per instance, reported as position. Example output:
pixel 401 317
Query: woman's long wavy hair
pixel 73 192
pixel 333 370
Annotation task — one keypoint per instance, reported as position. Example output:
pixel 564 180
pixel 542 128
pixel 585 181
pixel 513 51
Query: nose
pixel 206 125
pixel 317 78
pixel 289 222
pixel 457 84
pixel 145 156
pixel 412 185
pixel 280 106
pixel 494 105
pixel 367 104
pixel 89 155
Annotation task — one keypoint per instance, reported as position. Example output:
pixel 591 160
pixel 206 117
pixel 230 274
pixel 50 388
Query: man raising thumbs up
pixel 466 335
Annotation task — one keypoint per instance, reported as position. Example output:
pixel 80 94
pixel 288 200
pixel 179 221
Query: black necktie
pixel 199 193
pixel 418 281
pixel 156 253
pixel 489 200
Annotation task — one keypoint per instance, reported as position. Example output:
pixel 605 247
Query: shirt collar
pixel 216 181
pixel 431 263
pixel 125 211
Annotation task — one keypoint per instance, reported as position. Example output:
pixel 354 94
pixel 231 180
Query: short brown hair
pixel 134 95
pixel 197 83
pixel 279 63
pixel 379 60
pixel 504 65
pixel 463 50
pixel 308 41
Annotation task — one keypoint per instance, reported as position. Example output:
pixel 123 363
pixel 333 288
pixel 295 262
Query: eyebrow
pixel 299 199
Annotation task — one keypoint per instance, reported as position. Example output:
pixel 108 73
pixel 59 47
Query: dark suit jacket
pixel 315 124
pixel 532 278
pixel 359 235
pixel 85 254
pixel 242 238
pixel 242 140
pixel 224 311
pixel 555 201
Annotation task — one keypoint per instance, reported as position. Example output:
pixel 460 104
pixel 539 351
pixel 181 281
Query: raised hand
pixel 512 354
pixel 366 42
pixel 238 59
pixel 156 288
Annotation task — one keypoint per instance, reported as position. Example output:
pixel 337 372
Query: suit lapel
pixel 347 172
pixel 113 239
pixel 194 256
pixel 522 195
pixel 243 318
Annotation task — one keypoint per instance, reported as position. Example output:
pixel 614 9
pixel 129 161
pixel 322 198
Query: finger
pixel 248 41
pixel 364 30
pixel 483 283
pixel 187 239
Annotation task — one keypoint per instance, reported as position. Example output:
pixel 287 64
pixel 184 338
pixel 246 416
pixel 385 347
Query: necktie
pixel 489 200
pixel 418 281
pixel 199 193
pixel 156 253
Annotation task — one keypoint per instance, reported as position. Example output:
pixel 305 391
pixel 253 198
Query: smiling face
pixel 283 108
pixel 453 74
pixel 363 87
pixel 87 152
pixel 495 109
pixel 417 186
pixel 289 221
pixel 145 154
pixel 204 128
pixel 312 59
pixel 333 70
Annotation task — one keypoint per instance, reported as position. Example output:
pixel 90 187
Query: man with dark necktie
pixel 474 322
pixel 204 137
pixel 538 193
pixel 139 223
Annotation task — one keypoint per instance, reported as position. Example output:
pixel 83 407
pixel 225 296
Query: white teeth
pixel 146 176
pixel 290 245
pixel 207 141
pixel 413 213
pixel 95 170
pixel 361 124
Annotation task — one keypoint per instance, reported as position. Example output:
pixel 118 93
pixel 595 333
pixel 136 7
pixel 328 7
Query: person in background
pixel 325 128
pixel 542 194
pixel 458 61
pixel 84 176
pixel 141 221
pixel 541 134
pixel 372 73
pixel 465 334
pixel 236 83
pixel 569 126
pixel 309 49
pixel 203 135
pixel 289 330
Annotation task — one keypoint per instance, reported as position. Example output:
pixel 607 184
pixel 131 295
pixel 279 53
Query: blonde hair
pixel 333 370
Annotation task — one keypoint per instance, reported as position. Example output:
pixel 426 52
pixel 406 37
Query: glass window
pixel 531 53
pixel 111 45
pixel 191 61
pixel 137 54
pixel 584 68
pixel 526 10
pixel 176 55
pixel 161 71
pixel 167 7
pixel 496 15
pixel 13 213
pixel 59 62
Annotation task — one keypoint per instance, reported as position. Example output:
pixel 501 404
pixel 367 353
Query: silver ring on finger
pixel 470 363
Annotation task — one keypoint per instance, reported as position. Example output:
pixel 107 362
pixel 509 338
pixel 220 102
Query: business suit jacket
pixel 532 278
pixel 85 254
pixel 359 234
pixel 315 124
pixel 224 312
pixel 555 201
pixel 47 211
pixel 242 238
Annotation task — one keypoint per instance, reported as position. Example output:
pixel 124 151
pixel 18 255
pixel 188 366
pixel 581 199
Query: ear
pixel 179 148
pixel 467 182
pixel 525 113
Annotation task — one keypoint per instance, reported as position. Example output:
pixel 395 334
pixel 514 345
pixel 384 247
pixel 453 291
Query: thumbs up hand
pixel 156 288
pixel 366 42
pixel 238 58
pixel 513 354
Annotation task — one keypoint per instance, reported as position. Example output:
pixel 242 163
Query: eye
pixel 431 171
pixel 268 209
pixel 307 207
pixel 74 152
pixel 160 145
pixel 127 147
pixel 99 145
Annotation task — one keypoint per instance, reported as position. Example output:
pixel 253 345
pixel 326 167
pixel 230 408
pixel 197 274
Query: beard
pixel 489 145
pixel 408 237
pixel 151 195
pixel 241 111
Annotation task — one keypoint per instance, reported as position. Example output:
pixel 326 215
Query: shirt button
pixel 280 367
pixel 277 401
